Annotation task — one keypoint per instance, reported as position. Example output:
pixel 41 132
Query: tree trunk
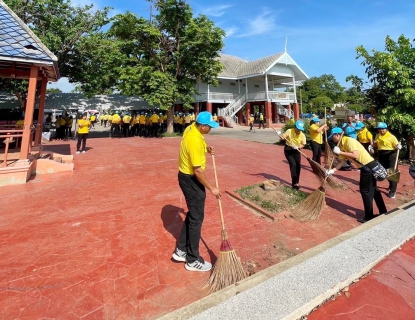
pixel 170 114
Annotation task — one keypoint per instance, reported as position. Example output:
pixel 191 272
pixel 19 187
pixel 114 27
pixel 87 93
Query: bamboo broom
pixel 319 170
pixel 310 209
pixel 228 268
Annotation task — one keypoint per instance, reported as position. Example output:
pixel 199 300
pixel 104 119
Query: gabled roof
pixel 235 67
pixel 258 66
pixel 20 47
pixel 231 65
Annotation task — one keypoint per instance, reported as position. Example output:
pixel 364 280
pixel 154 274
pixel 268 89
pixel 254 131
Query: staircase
pixel 232 108
pixel 284 112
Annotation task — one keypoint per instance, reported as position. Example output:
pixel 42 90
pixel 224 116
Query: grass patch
pixel 280 199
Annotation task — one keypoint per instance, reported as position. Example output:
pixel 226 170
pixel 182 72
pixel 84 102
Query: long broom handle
pixel 325 122
pixel 217 186
pixel 396 160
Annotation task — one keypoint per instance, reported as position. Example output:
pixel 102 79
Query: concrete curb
pixel 293 288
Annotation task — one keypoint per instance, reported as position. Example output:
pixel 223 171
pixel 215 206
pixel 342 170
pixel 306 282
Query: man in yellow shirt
pixel 115 124
pixel 251 123
pixel 352 149
pixel 19 123
pixel 68 124
pixel 142 124
pixel 387 146
pixel 364 136
pixel 193 181
pixel 187 119
pixel 316 138
pixel 126 124
pixel 83 130
pixel 93 120
pixel 261 121
pixel 154 120
pixel 295 140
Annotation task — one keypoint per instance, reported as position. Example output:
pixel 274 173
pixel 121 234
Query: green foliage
pixel 323 86
pixel 392 76
pixel 61 28
pixel 319 104
pixel 164 58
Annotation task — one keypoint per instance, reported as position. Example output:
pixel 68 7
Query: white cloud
pixel 63 84
pixel 230 31
pixel 216 11
pixel 264 23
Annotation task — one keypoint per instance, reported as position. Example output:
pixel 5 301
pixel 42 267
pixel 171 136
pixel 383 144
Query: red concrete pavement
pixel 96 243
pixel 387 292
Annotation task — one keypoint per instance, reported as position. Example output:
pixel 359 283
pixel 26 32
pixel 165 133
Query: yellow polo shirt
pixel 116 118
pixel 386 142
pixel 293 138
pixel 349 145
pixel 314 135
pixel 83 126
pixel 192 151
pixel 364 136
pixel 142 119
pixel 154 118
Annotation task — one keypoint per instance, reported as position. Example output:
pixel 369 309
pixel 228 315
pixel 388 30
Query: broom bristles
pixel 310 209
pixel 320 172
pixel 227 270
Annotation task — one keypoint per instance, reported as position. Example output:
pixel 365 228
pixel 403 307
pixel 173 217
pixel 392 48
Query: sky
pixel 320 35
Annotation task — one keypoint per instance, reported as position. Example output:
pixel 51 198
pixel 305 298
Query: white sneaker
pixel 179 255
pixel 198 265
pixel 78 152
pixel 83 151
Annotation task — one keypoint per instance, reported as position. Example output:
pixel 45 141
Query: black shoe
pixel 296 187
pixel 363 220
pixel 391 195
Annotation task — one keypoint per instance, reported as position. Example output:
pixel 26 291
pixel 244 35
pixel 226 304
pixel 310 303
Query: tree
pixel 165 57
pixel 392 76
pixel 323 86
pixel 61 27
pixel 54 90
pixel 318 104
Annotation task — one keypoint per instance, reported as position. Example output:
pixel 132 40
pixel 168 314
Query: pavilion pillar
pixel 209 107
pixel 240 117
pixel 39 126
pixel 30 106
pixel 268 114
pixel 296 111
pixel 247 113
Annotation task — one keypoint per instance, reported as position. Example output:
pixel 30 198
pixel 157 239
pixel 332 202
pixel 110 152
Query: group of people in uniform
pixel 354 143
pixel 148 123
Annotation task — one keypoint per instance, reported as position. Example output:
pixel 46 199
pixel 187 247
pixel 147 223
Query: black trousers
pixel 387 160
pixel 294 160
pixel 114 127
pixel 195 195
pixel 125 129
pixel 81 138
pixel 370 191
pixel 316 148
pixel 261 123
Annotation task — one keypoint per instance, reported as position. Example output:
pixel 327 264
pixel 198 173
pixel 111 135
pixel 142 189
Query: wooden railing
pixel 8 132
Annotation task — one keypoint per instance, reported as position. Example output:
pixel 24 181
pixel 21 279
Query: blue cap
pixel 117 112
pixel 206 118
pixel 316 119
pixel 351 132
pixel 299 125
pixel 359 125
pixel 335 130
pixel 381 125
